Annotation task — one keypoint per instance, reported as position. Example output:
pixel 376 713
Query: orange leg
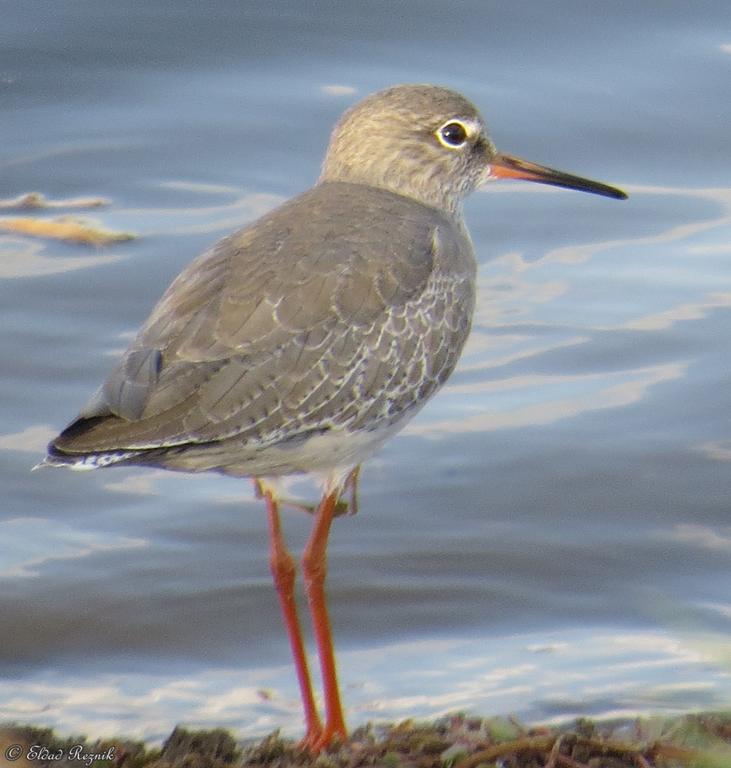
pixel 314 568
pixel 284 570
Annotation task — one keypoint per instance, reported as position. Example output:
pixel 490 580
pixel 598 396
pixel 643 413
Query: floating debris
pixel 64 228
pixel 35 200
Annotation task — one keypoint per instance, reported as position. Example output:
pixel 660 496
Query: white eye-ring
pixel 453 134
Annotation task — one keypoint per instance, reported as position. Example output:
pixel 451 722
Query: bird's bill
pixel 509 167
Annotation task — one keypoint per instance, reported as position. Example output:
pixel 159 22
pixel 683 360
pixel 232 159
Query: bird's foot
pixel 342 507
pixel 332 732
pixel 311 738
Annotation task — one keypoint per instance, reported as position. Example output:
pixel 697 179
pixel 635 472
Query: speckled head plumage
pixel 430 144
pixel 421 141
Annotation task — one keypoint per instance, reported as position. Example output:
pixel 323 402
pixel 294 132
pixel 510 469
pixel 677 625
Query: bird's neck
pixel 415 186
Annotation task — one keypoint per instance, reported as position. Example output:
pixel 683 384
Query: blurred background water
pixel 550 537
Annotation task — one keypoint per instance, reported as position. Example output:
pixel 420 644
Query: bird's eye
pixel 452 134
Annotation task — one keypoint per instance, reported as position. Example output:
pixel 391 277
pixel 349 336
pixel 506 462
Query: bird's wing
pixel 287 327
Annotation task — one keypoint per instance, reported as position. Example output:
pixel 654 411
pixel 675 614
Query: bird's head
pixel 431 144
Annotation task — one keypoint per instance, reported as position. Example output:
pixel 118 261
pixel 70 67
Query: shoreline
pixel 700 740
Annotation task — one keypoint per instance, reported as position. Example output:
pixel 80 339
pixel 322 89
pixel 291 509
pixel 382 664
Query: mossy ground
pixel 457 741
